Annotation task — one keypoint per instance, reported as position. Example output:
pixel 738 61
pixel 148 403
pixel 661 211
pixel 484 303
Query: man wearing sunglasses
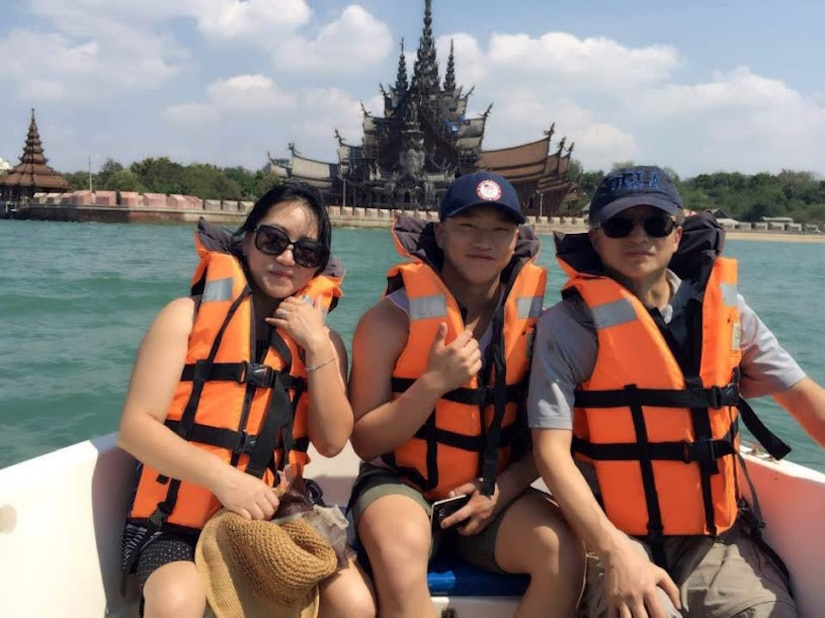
pixel 639 375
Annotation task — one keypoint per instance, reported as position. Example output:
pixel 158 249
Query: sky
pixel 699 87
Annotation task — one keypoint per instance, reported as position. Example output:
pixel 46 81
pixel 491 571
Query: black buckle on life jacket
pixel 158 517
pixel 246 443
pixel 703 452
pixel 259 375
pixel 719 396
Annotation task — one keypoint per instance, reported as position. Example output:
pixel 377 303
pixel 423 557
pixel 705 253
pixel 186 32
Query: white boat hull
pixel 61 517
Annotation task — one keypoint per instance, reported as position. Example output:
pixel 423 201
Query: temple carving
pixel 32 174
pixel 425 139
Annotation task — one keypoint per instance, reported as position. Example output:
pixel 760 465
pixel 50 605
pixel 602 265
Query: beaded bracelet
pixel 312 368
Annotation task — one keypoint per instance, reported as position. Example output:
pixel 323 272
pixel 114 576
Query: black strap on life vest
pixel 492 434
pixel 434 436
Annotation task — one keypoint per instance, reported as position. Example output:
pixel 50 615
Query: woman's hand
pixel 303 320
pixel 244 494
pixel 477 513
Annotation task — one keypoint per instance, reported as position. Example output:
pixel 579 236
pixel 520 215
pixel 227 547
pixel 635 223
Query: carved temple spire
pixel 449 79
pixel 401 81
pixel 32 173
pixel 426 65
pixel 33 150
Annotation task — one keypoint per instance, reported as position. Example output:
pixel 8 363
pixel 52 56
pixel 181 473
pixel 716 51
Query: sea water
pixel 75 300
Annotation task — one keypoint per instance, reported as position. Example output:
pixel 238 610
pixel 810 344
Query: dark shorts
pixel 166 547
pixel 478 550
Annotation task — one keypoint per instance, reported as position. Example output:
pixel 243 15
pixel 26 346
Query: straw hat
pixel 259 568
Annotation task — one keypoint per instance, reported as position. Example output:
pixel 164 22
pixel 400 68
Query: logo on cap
pixel 489 190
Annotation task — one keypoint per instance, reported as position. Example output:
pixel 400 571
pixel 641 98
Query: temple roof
pixel 517 163
pixel 32 171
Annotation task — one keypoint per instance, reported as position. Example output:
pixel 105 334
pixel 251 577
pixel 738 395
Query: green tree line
pixel 161 175
pixel 800 195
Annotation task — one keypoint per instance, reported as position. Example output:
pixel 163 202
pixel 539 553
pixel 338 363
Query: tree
pixel 160 175
pixel 620 164
pixel 124 180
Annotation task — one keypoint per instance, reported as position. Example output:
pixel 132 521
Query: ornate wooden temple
pixel 424 140
pixel 32 175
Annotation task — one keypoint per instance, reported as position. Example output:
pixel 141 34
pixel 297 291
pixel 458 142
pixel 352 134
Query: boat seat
pixel 450 576
pixel 455 578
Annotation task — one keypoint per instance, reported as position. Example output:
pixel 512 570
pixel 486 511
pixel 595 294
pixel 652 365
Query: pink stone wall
pixel 154 200
pixel 105 198
pixel 178 202
pixel 83 198
pixel 130 199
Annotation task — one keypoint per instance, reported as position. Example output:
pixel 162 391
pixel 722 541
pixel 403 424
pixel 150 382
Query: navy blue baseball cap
pixel 480 189
pixel 640 185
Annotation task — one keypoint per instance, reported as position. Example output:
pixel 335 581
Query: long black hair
pixel 293 191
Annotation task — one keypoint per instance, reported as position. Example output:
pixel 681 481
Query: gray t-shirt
pixel 566 346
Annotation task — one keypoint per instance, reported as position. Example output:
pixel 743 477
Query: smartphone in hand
pixel 444 508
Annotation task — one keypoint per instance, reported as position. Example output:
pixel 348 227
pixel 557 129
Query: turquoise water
pixel 76 299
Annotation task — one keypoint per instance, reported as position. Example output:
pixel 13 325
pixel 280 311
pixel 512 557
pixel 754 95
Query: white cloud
pixel 244 19
pixel 597 63
pixel 191 113
pixel 57 67
pixel 351 43
pixel 248 93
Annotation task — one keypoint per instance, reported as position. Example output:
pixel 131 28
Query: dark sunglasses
pixel 274 241
pixel 655 226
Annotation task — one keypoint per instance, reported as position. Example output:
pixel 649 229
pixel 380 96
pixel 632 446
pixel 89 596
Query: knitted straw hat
pixel 259 568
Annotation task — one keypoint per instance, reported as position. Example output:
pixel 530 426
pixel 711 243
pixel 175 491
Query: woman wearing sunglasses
pixel 640 371
pixel 230 386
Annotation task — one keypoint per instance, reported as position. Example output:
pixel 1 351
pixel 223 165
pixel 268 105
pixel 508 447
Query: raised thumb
pixel 440 335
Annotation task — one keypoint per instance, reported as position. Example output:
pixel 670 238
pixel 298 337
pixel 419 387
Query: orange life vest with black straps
pixel 473 429
pixel 252 415
pixel 658 420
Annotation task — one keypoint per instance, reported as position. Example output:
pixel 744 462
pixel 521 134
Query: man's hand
pixel 474 516
pixel 456 362
pixel 630 585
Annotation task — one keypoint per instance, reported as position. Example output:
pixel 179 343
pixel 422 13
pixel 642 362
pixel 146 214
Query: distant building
pixel 424 139
pixel 5 166
pixel 777 219
pixel 31 175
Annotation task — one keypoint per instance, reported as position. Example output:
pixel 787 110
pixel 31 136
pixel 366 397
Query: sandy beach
pixel 772 236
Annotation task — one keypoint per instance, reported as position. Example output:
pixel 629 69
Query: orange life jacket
pixel 251 415
pixel 659 421
pixel 472 431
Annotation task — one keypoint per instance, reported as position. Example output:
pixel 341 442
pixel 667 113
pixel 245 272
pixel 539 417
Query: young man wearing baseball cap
pixel 641 370
pixel 437 387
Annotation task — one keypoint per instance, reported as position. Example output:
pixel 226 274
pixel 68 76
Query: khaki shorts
pixel 478 550
pixel 723 578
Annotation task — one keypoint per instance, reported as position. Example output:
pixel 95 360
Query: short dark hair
pixel 293 191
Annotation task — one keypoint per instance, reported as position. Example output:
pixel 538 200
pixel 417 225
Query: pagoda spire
pixel 449 79
pixel 31 174
pixel 33 150
pixel 426 65
pixel 401 82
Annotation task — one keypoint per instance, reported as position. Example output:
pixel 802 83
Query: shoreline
pixel 233 214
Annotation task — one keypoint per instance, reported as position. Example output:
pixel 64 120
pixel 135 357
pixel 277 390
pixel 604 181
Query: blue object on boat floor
pixel 458 579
